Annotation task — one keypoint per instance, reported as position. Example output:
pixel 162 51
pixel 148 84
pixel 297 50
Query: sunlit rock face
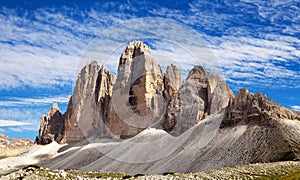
pixel 15 143
pixel 88 105
pixel 201 95
pixel 137 100
pixel 4 141
pixel 249 108
pixel 143 95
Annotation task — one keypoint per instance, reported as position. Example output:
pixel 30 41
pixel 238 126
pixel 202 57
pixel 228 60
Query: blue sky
pixel 255 44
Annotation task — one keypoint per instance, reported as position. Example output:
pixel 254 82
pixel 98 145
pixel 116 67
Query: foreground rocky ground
pixel 278 170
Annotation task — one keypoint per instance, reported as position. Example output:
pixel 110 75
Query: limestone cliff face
pixel 211 88
pixel 248 107
pixel 82 105
pixel 143 96
pixel 87 109
pixel 172 82
pixel 15 143
pixel 202 94
pixel 103 94
pixel 89 104
pixel 137 99
pixel 4 141
pixel 51 126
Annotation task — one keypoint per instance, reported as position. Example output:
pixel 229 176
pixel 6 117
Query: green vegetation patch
pixel 279 170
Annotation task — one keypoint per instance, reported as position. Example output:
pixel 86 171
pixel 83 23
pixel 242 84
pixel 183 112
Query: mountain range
pixel 147 120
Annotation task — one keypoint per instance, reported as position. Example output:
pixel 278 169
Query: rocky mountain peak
pixel 4 140
pixel 135 48
pixel 255 108
pixel 198 73
pixel 55 106
pixel 51 126
pixel 53 110
pixel 137 93
pixel 15 143
pixel 173 77
pixel 89 103
pixel 214 128
pixel 144 96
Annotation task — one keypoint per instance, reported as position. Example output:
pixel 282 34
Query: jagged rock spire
pixel 144 96
pixel 51 126
pixel 89 103
pixel 137 93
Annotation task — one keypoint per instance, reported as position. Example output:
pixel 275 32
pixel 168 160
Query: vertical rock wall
pixel 51 126
pixel 142 96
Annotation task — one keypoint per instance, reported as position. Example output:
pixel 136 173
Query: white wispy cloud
pixel 297 108
pixel 43 49
pixel 50 48
pixel 28 116
pixel 279 11
pixel 4 123
pixel 249 38
pixel 32 55
pixel 258 60
pixel 16 129
pixel 14 101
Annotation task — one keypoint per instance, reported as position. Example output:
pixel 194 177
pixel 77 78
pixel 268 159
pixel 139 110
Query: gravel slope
pixel 203 147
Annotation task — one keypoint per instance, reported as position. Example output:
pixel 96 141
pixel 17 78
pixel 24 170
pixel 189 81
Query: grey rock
pixel 137 99
pixel 249 107
pixel 87 109
pixel 202 94
pixel 4 141
pixel 51 126
pixel 172 82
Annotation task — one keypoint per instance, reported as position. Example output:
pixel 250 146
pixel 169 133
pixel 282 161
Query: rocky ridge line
pixel 249 107
pixel 143 96
pixel 15 143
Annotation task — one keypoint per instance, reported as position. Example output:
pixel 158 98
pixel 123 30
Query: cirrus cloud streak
pixel 5 123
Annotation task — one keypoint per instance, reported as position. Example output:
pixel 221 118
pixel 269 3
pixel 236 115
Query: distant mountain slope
pixel 14 147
